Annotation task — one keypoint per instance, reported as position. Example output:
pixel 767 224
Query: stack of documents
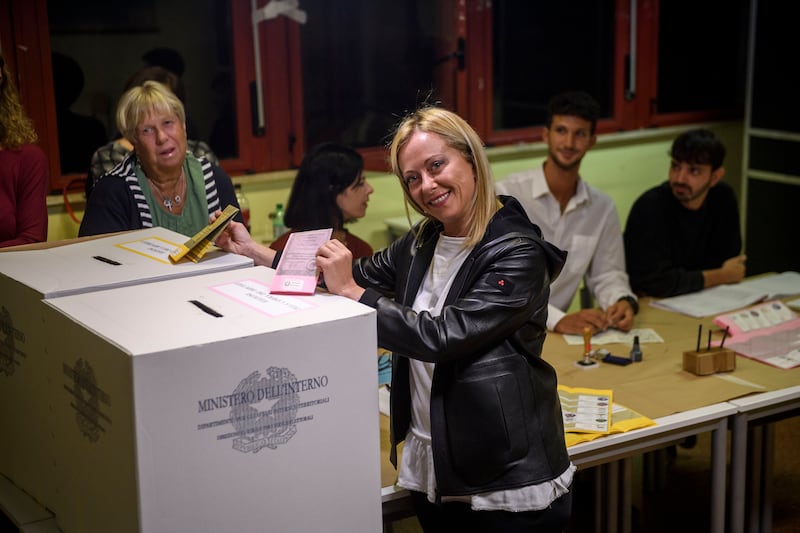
pixel 724 298
pixel 769 333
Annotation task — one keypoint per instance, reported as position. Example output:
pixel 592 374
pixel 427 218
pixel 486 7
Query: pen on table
pixel 200 305
pixel 106 260
pixel 724 336
pixel 708 346
pixel 699 334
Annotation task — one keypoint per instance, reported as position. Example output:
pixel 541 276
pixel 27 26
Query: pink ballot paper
pixel 297 267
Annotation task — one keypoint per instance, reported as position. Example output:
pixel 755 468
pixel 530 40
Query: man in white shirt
pixel 577 218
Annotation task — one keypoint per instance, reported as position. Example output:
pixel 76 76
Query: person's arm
pixel 727 238
pixel 606 276
pixel 486 313
pixel 31 207
pixel 574 323
pixel 731 271
pixel 554 316
pixel 226 192
pixel 335 261
pixel 236 239
pixel 109 209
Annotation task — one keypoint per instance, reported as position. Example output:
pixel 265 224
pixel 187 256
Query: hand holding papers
pixel 297 268
pixel 196 247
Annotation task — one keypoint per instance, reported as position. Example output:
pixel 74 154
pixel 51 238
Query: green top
pixel 194 216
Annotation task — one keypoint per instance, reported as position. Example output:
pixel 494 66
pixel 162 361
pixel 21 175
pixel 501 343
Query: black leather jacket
pixel 495 415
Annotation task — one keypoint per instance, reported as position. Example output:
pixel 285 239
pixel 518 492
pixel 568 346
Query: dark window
pixel 96 47
pixel 356 66
pixel 701 55
pixel 365 63
pixel 543 48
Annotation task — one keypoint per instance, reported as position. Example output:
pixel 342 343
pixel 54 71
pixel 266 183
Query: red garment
pixel 24 182
pixel 357 247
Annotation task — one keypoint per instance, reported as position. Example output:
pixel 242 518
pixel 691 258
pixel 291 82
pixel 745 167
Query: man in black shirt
pixel 683 235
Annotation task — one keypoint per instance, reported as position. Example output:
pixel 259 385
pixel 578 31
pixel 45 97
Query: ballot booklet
pixel 585 410
pixel 297 266
pixel 591 413
pixel 769 333
pixel 196 247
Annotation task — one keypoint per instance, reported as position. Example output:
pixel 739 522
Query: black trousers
pixel 458 516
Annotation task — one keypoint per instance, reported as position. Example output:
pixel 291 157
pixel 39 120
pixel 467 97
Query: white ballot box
pixel 26 277
pixel 208 404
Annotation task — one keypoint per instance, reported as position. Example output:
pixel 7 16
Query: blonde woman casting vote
pixel 159 183
pixel 461 302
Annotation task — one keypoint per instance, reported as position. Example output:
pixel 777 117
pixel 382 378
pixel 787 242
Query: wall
pixel 621 164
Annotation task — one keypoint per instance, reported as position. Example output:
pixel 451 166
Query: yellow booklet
pixel 196 247
pixel 586 410
pixel 621 418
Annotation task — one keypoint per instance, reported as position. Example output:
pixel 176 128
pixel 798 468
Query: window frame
pixel 281 145
pixel 629 112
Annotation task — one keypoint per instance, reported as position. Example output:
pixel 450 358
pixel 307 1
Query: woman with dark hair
pixel 329 191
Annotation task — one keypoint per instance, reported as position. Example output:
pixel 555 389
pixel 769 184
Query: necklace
pixel 172 199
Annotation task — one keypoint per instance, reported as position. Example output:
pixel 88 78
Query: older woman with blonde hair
pixel 24 177
pixel 160 183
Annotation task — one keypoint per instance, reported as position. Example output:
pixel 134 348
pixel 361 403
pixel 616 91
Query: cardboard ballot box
pixel 208 404
pixel 26 277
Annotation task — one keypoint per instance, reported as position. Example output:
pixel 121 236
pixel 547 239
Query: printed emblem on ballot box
pixel 10 354
pixel 87 398
pixel 264 410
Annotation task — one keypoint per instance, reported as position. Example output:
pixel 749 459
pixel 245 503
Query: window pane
pixel 98 44
pixel 542 48
pixel 775 39
pixel 365 64
pixel 701 55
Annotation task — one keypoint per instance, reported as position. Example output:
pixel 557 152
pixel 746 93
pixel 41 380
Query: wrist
pixel 632 302
pixel 353 292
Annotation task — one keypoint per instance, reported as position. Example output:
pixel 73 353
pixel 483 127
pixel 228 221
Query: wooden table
pixel 681 403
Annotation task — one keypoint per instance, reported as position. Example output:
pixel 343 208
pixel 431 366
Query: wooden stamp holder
pixel 706 362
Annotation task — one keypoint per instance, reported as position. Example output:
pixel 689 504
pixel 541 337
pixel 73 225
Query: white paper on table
pixel 776 285
pixel 713 301
pixel 613 336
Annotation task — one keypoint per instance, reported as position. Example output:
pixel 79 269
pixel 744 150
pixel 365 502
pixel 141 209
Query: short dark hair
pixel 699 147
pixel 574 104
pixel 326 170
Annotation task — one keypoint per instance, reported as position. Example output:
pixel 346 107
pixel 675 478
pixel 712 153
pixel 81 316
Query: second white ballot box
pixel 31 275
pixel 209 404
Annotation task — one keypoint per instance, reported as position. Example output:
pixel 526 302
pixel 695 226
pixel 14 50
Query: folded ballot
pixel 196 247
